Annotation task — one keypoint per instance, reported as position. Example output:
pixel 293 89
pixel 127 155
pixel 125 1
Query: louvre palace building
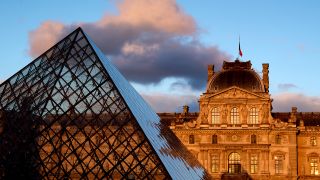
pixel 236 134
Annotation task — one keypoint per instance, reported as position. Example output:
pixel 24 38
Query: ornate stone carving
pixel 235 92
pixel 265 113
pixel 244 114
pixel 293 116
pixel 224 114
pixel 204 114
pixel 234 138
pixel 279 154
pixel 280 124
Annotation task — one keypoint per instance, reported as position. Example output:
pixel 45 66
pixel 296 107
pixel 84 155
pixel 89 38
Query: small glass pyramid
pixel 70 114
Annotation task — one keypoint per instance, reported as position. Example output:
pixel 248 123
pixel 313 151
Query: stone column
pixel 209 162
pixel 223 161
pixel 266 167
pixel 205 159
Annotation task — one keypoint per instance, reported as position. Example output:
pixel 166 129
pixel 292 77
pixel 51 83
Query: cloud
pixel 178 85
pixel 171 102
pixel 147 40
pixel 45 36
pixel 284 101
pixel 286 86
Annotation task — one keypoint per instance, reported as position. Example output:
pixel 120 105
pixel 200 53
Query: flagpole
pixel 240 52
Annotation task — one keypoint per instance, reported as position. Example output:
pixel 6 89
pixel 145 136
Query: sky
pixel 163 47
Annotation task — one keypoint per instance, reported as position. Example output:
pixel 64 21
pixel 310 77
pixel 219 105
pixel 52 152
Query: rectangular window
pixel 191 139
pixel 278 164
pixel 253 139
pixel 254 116
pixel 235 119
pixel 214 139
pixel 215 115
pixel 314 166
pixel 254 164
pixel 215 163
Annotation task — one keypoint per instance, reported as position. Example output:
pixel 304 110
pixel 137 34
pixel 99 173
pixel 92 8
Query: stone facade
pixel 236 133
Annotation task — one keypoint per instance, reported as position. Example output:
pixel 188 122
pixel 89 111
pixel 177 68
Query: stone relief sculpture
pixel 224 114
pixel 244 114
pixel 265 113
pixel 204 116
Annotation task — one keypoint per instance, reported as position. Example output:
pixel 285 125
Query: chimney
pixel 185 109
pixel 293 115
pixel 265 76
pixel 210 71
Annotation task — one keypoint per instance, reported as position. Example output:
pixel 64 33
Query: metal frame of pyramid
pixel 70 114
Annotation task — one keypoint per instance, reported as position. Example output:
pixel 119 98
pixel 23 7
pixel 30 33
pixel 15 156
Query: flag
pixel 240 52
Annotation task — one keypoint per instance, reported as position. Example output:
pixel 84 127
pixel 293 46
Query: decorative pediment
pixel 313 156
pixel 278 154
pixel 234 92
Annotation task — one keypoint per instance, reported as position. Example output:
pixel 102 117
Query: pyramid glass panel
pixel 70 114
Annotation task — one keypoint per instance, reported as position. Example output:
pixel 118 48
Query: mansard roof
pixel 309 118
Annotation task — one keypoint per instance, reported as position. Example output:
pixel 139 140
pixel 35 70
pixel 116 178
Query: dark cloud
pixel 172 102
pixel 170 58
pixel 148 41
pixel 284 101
pixel 178 85
pixel 286 86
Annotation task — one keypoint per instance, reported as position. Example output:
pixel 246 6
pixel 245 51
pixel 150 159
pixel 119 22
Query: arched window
pixel 191 139
pixel 278 139
pixel 313 141
pixel 235 116
pixel 215 115
pixel 214 139
pixel 254 116
pixel 254 164
pixel 253 139
pixel 234 165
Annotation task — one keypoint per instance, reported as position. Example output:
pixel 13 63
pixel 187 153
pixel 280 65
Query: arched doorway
pixel 234 165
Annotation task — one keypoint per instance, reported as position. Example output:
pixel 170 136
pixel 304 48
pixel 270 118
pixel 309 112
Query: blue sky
pixel 284 34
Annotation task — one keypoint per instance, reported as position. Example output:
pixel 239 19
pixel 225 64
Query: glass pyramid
pixel 70 114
